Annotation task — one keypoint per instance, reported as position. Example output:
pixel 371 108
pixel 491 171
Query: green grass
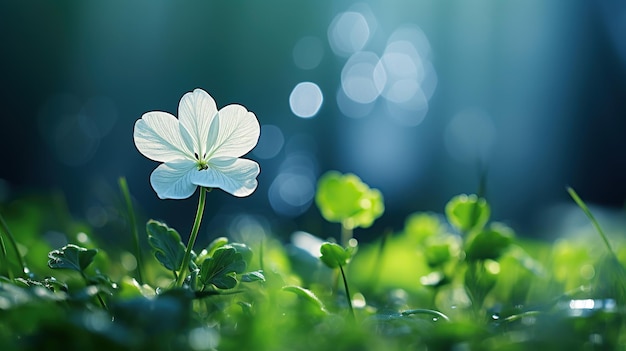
pixel 452 280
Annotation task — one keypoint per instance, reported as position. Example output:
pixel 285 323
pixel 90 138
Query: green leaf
pixel 334 255
pixel 216 244
pixel 220 270
pixel 254 276
pixel 467 213
pixel 490 243
pixel 421 226
pixel 309 296
pixel 71 257
pixel 438 252
pixel 168 248
pixel 344 198
pixel 130 288
pixel 244 250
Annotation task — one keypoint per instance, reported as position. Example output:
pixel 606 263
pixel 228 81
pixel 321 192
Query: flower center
pixel 201 163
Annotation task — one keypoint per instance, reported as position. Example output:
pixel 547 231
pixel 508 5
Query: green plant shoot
pixel 345 199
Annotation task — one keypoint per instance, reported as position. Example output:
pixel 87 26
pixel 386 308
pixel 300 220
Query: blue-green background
pixel 549 74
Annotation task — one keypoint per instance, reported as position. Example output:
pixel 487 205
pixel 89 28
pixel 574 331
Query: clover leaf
pixel 244 250
pixel 71 257
pixel 220 269
pixel 467 212
pixel 168 248
pixel 490 243
pixel 334 255
pixel 344 198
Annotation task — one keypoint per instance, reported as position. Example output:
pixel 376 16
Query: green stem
pixel 348 296
pixel 97 294
pixel 133 226
pixel 192 238
pixel 7 233
pixel 346 234
pixel 378 263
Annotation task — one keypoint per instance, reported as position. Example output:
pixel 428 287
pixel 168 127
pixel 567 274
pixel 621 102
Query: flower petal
pixel 172 180
pixel 236 176
pixel 196 111
pixel 158 138
pixel 233 133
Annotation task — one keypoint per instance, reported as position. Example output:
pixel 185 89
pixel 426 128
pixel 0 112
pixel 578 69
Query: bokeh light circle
pixel 360 80
pixel 348 33
pixel 306 99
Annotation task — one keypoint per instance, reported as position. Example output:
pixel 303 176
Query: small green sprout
pixel 335 256
pixel 467 213
pixel 345 199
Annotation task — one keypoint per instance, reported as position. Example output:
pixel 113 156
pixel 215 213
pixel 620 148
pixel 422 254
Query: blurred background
pixel 418 98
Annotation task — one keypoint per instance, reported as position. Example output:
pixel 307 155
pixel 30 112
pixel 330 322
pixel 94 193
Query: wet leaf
pixel 71 257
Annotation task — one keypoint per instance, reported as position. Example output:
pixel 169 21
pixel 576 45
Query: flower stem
pixel 133 226
pixel 348 296
pixel 7 233
pixel 192 238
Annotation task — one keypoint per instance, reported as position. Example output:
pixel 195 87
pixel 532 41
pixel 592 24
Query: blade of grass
pixel 593 220
pixel 620 272
pixel 9 235
pixel 133 225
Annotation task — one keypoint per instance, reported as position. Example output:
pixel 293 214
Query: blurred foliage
pixel 345 199
pixel 444 281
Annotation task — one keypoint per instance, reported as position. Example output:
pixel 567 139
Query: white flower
pixel 201 148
